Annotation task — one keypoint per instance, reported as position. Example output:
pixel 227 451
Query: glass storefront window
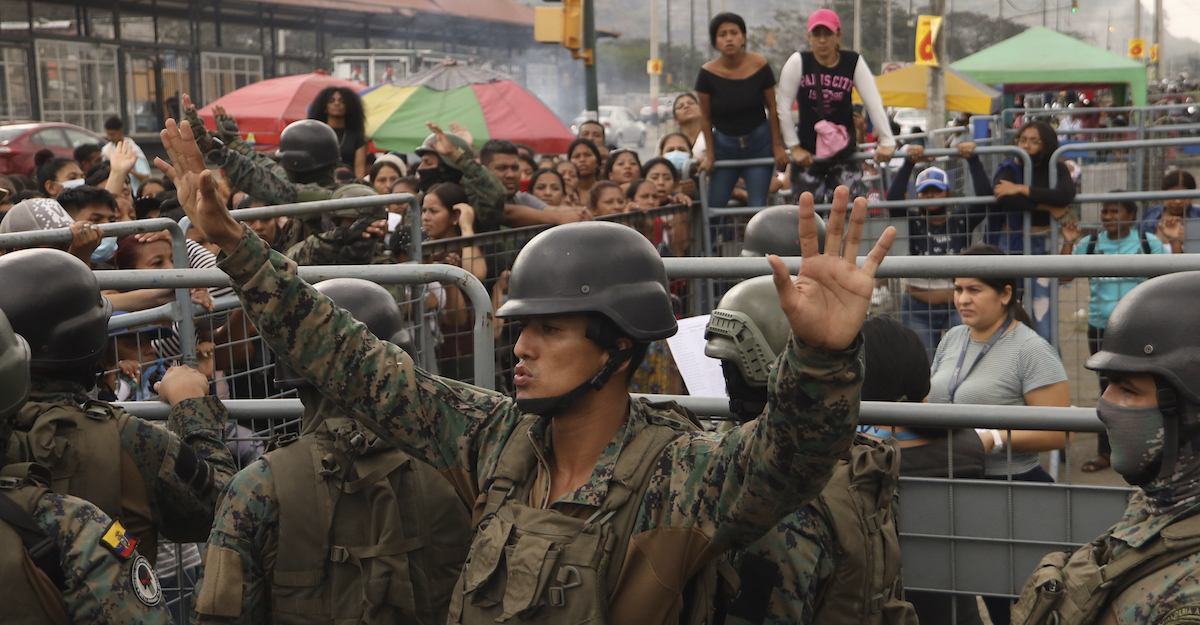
pixel 241 37
pixel 55 19
pixel 79 82
pixel 137 27
pixel 176 31
pixel 15 15
pixel 14 85
pixel 222 73
pixel 100 23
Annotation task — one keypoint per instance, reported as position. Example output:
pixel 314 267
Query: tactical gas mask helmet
pixel 556 273
pixel 1157 448
pixel 747 332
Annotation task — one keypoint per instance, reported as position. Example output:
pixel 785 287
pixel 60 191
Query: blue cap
pixel 932 177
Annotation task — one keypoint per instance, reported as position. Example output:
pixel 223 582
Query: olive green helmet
pixel 776 230
pixel 748 329
pixel 355 189
pixel 426 147
pixel 14 378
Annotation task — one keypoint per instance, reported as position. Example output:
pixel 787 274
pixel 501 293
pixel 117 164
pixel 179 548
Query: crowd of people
pixel 403 493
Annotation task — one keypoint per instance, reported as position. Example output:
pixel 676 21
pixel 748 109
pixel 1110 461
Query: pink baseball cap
pixel 826 18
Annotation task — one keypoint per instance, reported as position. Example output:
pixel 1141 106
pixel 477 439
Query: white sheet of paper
pixel 701 374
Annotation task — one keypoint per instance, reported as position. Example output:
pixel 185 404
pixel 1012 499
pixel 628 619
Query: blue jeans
pixel 929 321
pixel 757 144
pixel 1040 298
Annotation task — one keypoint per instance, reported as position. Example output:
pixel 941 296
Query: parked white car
pixel 666 106
pixel 909 118
pixel 620 125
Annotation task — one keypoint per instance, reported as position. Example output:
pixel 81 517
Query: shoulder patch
pixel 118 541
pixel 144 581
pixel 1183 615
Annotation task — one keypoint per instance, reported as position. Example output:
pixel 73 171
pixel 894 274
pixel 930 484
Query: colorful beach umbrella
pixel 264 108
pixel 489 105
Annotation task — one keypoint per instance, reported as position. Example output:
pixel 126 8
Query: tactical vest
pixel 1075 588
pixel 859 504
pixel 82 449
pixel 30 596
pixel 297 229
pixel 536 565
pixel 399 531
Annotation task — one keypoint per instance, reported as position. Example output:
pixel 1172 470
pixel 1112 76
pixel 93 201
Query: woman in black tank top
pixel 737 97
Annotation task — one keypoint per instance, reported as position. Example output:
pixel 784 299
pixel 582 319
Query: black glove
pixel 356 249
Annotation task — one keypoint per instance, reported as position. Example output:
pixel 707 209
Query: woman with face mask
pixel 55 173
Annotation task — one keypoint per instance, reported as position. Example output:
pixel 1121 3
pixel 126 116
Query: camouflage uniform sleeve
pixel 245 149
pixel 185 468
pixel 305 251
pixel 783 573
pixel 451 426
pixel 245 174
pixel 242 547
pixel 100 583
pixel 735 487
pixel 485 191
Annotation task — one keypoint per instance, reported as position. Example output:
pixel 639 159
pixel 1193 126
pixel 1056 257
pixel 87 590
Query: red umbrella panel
pixel 264 108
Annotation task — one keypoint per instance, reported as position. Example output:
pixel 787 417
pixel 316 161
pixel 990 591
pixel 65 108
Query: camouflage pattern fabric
pixel 727 490
pixel 260 181
pixel 328 248
pixel 182 508
pixel 484 190
pixel 102 585
pixel 1168 596
pixel 782 574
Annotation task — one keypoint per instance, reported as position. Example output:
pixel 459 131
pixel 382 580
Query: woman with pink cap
pixel 822 80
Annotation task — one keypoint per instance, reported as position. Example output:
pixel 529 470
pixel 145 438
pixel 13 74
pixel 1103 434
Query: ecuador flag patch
pixel 119 542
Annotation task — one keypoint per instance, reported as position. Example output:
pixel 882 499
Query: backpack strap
pixel 1144 240
pixel 43 549
pixel 1091 246
pixel 513 469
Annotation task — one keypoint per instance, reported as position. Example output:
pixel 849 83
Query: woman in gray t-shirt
pixel 996 358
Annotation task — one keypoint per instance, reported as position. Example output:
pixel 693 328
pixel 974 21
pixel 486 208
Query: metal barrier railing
pixel 484 340
pixel 179 311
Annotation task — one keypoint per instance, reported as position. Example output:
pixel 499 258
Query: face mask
pixel 1136 435
pixel 105 251
pixel 71 184
pixel 678 159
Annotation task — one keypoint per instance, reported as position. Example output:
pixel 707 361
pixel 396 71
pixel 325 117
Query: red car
pixel 19 141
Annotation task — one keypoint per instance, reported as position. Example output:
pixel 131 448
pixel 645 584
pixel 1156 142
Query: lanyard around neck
pixel 959 376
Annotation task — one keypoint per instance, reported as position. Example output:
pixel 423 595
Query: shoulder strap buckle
pixel 9 483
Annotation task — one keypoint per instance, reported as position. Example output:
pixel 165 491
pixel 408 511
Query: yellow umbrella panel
pixel 906 88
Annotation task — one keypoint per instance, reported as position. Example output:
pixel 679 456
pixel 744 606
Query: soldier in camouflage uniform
pixel 819 565
pixel 354 235
pixel 564 453
pixel 447 157
pixel 1146 568
pixel 152 478
pixel 62 559
pixel 253 524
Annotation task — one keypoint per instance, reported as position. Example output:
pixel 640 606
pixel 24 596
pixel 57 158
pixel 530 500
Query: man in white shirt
pixel 114 128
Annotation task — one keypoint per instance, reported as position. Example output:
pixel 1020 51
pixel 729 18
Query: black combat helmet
pixel 53 300
pixel 747 332
pixel 14 377
pixel 607 270
pixel 308 145
pixel 1154 330
pixel 368 303
pixel 596 267
pixel 776 230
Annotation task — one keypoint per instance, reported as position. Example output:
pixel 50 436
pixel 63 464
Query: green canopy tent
pixel 1041 59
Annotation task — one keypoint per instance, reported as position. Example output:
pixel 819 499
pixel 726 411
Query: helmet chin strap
pixel 601 332
pixel 552 406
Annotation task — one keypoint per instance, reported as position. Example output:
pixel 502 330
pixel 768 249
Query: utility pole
pixel 935 93
pixel 1108 33
pixel 887 57
pixel 1137 19
pixel 654 78
pixel 1001 10
pixel 1044 3
pixel 667 58
pixel 1158 18
pixel 693 29
pixel 858 24
pixel 589 59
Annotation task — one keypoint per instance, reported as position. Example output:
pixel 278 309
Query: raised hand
pixel 123 158
pixel 462 131
pixel 85 239
pixel 827 302
pixel 966 149
pixel 202 135
pixel 197 191
pixel 1070 231
pixel 441 142
pixel 226 126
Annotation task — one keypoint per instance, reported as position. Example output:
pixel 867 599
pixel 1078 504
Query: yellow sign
pixel 654 66
pixel 1137 48
pixel 927 34
pixel 1154 53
